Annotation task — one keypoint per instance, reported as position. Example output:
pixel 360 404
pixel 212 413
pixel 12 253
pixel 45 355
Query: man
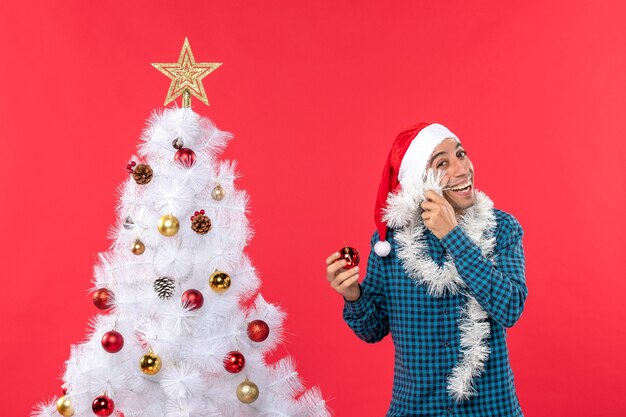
pixel 446 277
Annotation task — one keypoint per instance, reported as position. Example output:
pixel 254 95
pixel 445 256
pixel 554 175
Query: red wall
pixel 315 92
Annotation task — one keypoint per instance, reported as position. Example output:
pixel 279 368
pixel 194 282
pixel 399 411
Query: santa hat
pixel 406 165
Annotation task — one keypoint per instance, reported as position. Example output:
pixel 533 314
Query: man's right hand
pixel 344 281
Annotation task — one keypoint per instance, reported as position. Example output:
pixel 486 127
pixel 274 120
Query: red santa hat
pixel 406 164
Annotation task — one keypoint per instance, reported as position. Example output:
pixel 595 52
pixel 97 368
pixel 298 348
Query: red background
pixel 315 92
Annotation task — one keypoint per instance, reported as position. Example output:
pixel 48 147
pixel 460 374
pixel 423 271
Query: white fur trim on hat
pixel 416 157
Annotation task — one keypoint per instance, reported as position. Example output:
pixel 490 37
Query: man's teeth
pixel 460 187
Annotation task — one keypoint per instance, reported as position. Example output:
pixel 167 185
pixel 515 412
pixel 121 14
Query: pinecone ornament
pixel 200 223
pixel 164 287
pixel 142 174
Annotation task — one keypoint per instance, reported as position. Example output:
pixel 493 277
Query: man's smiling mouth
pixel 461 187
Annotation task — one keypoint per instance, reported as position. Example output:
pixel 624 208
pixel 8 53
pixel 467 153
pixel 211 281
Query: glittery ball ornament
pixel 234 362
pixel 258 330
pixel 64 406
pixel 247 392
pixel 186 157
pixel 112 341
pixel 168 225
pixel 103 406
pixel 150 364
pixel 219 281
pixel 192 299
pixel 103 299
pixel 351 255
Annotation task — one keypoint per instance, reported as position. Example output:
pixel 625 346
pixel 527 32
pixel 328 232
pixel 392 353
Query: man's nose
pixel 458 169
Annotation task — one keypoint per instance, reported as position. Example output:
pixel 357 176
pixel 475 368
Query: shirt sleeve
pixel 499 286
pixel 367 316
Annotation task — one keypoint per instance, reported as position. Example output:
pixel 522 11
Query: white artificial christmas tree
pixel 177 339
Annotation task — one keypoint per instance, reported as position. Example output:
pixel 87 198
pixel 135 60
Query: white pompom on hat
pixel 406 164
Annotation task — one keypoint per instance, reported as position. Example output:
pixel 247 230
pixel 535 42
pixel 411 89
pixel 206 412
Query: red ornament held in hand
pixel 351 255
pixel 103 406
pixel 234 362
pixel 112 341
pixel 258 330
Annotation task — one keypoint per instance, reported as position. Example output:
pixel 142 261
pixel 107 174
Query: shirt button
pixel 449 410
pixel 446 343
pixel 445 312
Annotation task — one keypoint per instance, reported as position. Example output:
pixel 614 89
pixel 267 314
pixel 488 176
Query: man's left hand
pixel 438 214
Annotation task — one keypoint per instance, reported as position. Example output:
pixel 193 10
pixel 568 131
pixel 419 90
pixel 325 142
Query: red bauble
pixel 186 157
pixel 234 362
pixel 258 330
pixel 103 406
pixel 351 255
pixel 193 299
pixel 103 298
pixel 112 341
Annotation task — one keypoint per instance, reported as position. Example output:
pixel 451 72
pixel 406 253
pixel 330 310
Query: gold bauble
pixel 138 247
pixel 219 281
pixel 64 406
pixel 168 225
pixel 247 392
pixel 150 364
pixel 218 193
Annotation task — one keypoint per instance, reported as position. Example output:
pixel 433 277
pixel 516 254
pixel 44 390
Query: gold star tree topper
pixel 186 76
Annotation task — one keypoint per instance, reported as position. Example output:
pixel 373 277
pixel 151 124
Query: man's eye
pixel 440 164
pixel 461 154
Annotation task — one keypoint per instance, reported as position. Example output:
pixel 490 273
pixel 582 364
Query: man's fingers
pixel 340 278
pixel 428 205
pixel 433 196
pixel 332 266
pixel 331 270
pixel 332 258
pixel 348 282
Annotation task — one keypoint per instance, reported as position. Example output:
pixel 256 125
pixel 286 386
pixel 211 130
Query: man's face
pixel 451 157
